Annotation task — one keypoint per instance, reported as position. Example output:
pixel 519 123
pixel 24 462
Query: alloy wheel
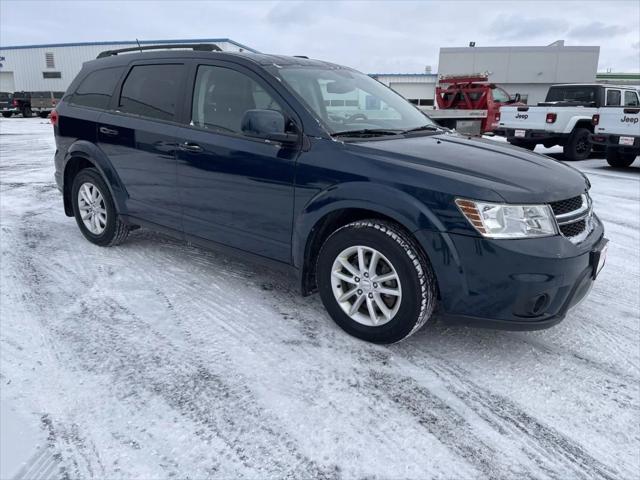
pixel 366 285
pixel 92 208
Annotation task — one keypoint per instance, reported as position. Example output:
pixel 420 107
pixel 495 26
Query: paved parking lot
pixel 158 359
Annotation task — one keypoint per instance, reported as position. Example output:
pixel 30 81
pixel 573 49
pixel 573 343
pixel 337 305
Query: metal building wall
pixel 526 70
pixel 22 67
pixel 410 85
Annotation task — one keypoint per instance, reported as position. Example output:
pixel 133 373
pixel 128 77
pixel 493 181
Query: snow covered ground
pixel 156 359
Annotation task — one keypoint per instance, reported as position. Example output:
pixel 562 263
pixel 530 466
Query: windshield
pixel 347 100
pixel 500 95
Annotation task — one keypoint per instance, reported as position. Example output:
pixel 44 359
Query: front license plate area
pixel 520 133
pixel 599 258
pixel 626 141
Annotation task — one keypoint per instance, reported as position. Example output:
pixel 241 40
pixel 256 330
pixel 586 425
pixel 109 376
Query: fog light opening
pixel 540 304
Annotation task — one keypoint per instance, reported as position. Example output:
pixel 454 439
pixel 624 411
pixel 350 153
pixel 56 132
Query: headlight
pixel 496 220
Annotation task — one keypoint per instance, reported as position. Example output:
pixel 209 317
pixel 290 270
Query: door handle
pixel 108 131
pixel 190 147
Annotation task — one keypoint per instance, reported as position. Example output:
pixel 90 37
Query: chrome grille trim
pixel 582 216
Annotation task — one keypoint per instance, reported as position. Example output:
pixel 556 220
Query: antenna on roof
pixel 138 42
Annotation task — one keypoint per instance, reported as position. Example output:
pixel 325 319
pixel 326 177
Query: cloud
pixel 289 14
pixel 597 30
pixel 520 28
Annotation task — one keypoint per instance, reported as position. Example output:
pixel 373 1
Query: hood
pixel 514 174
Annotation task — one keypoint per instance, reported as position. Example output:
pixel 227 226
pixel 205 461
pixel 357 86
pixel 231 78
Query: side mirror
pixel 267 124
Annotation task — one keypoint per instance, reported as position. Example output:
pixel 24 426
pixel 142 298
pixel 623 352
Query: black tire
pixel 7 114
pixel 43 114
pixel 417 280
pixel 523 144
pixel 617 159
pixel 578 146
pixel 115 231
pixel 26 112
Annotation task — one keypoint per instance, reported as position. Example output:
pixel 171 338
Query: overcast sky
pixel 372 36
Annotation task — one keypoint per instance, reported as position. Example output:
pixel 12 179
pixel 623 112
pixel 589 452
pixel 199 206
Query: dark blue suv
pixel 320 168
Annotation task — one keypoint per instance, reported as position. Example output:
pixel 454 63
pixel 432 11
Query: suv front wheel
pixel 375 282
pixel 95 211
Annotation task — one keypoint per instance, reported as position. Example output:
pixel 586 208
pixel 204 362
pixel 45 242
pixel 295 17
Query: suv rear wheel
pixel 616 158
pixel 95 211
pixel 7 114
pixel 375 282
pixel 578 146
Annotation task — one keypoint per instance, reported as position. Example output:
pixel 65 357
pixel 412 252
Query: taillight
pixel 14 103
pixel 595 120
pixel 551 117
pixel 54 118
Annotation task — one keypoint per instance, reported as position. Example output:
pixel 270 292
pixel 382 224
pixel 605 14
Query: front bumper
pixel 526 284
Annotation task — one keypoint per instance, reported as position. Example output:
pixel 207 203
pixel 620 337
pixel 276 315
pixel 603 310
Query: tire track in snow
pixel 557 455
pixel 194 393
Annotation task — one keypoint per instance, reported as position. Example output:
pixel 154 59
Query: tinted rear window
pixel 152 91
pixel 573 94
pixel 96 89
pixel 5 96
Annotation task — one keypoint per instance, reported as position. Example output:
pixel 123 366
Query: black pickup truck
pixel 6 104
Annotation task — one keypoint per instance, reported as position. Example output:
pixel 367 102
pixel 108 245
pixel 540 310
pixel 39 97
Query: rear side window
pixel 573 93
pixel 613 98
pixel 631 99
pixel 97 87
pixel 152 91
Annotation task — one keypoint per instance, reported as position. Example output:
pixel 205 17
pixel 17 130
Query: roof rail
pixel 201 47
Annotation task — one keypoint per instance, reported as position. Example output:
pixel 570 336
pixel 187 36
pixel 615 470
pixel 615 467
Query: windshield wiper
pixel 430 127
pixel 366 131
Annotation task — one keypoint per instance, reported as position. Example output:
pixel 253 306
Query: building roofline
pixel 132 42
pixel 618 76
pixel 536 48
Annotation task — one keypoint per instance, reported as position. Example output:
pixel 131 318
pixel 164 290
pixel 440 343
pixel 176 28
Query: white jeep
pixel 564 118
pixel 618 130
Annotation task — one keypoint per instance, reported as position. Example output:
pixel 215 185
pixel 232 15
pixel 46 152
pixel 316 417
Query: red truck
pixel 470 103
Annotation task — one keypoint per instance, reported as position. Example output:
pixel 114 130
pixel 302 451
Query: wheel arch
pixel 326 213
pixel 579 122
pixel 83 155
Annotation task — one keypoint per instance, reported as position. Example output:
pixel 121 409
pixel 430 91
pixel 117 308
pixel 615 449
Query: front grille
pixel 573 229
pixel 573 216
pixel 566 206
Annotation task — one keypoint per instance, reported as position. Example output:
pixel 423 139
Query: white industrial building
pixel 52 67
pixel 525 70
pixel 418 88
pixel 528 71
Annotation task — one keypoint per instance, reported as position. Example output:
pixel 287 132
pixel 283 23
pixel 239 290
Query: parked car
pixel 42 103
pixel 391 218
pixel 564 118
pixel 6 104
pixel 618 130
